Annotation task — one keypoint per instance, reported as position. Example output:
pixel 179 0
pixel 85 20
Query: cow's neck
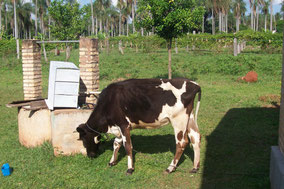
pixel 97 123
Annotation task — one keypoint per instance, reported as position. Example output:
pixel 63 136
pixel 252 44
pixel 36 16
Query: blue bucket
pixel 6 171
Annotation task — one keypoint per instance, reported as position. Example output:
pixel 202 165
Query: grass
pixel 237 128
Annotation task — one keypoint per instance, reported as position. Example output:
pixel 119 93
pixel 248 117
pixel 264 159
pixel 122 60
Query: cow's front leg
pixel 128 148
pixel 116 146
pixel 181 143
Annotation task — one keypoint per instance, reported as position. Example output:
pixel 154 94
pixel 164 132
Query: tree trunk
pixel 226 23
pixel 203 24
pixel 101 26
pixel 1 18
pixel 237 23
pixel 133 17
pixel 251 17
pixel 49 20
pixel 220 21
pixel 92 17
pixel 170 58
pixel 271 14
pixel 176 46
pixel 6 18
pixel 257 17
pixel 96 26
pixel 16 31
pixel 265 24
pixel 127 28
pixel 213 23
pixel 119 29
pixel 35 18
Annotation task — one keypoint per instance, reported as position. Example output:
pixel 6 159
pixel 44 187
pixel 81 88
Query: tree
pixel 66 18
pixel 170 19
pixel 239 8
pixel 121 4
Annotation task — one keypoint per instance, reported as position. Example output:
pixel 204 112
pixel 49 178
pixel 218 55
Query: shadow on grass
pixel 238 150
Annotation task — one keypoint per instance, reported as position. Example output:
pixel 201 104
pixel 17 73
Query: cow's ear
pixel 81 130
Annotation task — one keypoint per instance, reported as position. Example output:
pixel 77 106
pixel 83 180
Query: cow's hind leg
pixel 180 128
pixel 116 146
pixel 195 139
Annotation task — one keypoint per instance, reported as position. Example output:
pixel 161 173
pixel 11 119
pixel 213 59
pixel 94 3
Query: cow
pixel 144 103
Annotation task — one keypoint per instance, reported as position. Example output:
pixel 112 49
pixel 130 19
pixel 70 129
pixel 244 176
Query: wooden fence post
pixel 235 47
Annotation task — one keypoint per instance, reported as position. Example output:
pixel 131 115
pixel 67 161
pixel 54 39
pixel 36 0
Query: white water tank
pixel 63 85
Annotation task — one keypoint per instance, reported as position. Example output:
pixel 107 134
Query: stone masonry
pixel 89 69
pixel 32 77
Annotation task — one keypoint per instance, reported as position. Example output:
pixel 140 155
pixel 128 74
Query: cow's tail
pixel 198 104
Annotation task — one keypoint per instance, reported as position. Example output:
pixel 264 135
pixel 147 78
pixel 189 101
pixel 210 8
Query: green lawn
pixel 237 127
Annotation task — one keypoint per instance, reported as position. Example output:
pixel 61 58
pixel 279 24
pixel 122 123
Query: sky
pixel 276 4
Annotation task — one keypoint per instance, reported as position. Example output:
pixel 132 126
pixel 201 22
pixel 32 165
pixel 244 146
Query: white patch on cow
pixel 172 111
pixel 196 146
pixel 191 116
pixel 169 87
pixel 115 130
pixel 129 162
pixel 195 135
pixel 96 140
pixel 172 166
pixel 194 83
pixel 158 123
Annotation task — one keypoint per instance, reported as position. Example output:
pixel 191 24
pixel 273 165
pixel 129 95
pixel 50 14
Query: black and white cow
pixel 144 103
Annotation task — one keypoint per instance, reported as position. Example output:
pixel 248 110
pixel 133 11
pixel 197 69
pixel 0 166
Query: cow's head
pixel 91 140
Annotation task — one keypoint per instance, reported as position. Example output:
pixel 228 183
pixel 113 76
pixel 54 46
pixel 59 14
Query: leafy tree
pixel 66 18
pixel 170 19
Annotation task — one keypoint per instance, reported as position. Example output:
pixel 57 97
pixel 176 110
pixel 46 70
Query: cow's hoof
pixel 112 164
pixel 129 171
pixel 194 170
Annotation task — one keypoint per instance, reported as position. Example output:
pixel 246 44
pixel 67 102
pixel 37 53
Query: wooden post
pixel 235 47
pixel 32 76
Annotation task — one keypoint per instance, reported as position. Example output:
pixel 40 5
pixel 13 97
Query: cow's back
pixel 142 100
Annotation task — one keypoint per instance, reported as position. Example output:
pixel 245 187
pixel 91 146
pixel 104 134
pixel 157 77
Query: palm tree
pixel 239 7
pixel 114 18
pixel 209 4
pixel 121 5
pixel 24 10
pixel 265 12
pixel 42 10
